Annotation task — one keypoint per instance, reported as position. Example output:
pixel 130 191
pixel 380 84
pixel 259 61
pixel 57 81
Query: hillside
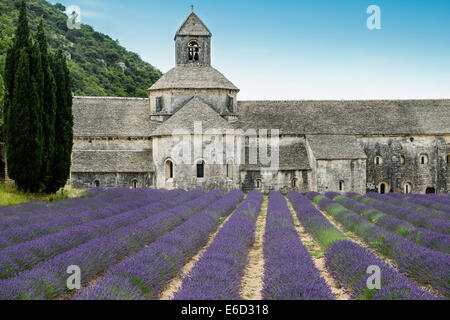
pixel 99 65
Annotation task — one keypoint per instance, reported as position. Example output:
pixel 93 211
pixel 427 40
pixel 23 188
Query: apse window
pixel 201 169
pixel 378 160
pixel 423 159
pixel 294 183
pixel 407 188
pixel 134 184
pixel 341 185
pixel 258 184
pixel 193 51
pixel 169 170
pixel 96 183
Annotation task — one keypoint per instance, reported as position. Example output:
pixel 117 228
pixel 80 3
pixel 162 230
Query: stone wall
pixel 85 180
pixel 331 173
pixel 401 163
pixel 181 50
pixel 281 180
pixel 185 175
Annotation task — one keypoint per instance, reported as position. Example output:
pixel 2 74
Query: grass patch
pixel 9 195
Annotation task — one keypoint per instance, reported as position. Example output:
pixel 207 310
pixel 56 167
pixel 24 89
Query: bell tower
pixel 193 43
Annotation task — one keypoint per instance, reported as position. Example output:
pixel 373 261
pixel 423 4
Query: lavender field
pixel 142 244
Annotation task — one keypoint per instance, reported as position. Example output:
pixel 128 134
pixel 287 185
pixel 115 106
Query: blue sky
pixel 282 50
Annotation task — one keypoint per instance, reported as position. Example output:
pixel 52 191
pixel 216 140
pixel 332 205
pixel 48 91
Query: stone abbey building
pixel 400 146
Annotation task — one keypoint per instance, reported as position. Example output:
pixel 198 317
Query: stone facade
pixel 401 146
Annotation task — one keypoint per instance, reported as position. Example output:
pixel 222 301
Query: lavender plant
pixel 152 267
pixel 289 271
pixel 217 275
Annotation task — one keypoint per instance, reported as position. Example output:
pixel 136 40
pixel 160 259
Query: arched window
pixel 294 183
pixel 378 160
pixel 193 50
pixel 201 169
pixel 134 184
pixel 423 159
pixel 258 184
pixel 96 183
pixel 407 188
pixel 383 188
pixel 448 158
pixel 169 169
pixel 230 169
pixel 341 185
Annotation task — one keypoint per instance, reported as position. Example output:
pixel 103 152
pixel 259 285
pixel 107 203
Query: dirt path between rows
pixel 175 284
pixel 252 279
pixel 318 257
pixel 355 238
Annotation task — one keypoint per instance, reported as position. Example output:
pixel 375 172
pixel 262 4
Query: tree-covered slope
pixel 98 64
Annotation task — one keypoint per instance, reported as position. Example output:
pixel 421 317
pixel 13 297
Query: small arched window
pixel 230 169
pixel 258 184
pixel 201 169
pixel 134 184
pixel 169 169
pixel 378 160
pixel 383 188
pixel 407 188
pixel 423 159
pixel 96 183
pixel 294 183
pixel 193 50
pixel 341 185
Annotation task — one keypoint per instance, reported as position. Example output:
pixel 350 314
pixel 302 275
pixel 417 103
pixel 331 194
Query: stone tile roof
pixel 395 117
pixel 193 77
pixel 333 147
pixel 112 117
pixel 293 156
pixel 193 26
pixel 112 161
pixel 194 110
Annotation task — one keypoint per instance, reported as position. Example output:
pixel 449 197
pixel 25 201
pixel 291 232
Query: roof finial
pixel 192 8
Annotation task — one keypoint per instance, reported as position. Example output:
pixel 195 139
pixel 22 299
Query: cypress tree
pixel 2 95
pixel 63 124
pixel 24 130
pixel 22 40
pixel 48 107
pixel 23 108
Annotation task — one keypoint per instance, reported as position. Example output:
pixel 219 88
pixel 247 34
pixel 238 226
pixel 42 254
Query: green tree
pixel 24 130
pixel 48 106
pixel 23 108
pixel 2 95
pixel 63 124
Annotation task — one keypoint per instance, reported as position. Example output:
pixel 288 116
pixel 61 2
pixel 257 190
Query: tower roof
pixel 193 26
pixel 192 77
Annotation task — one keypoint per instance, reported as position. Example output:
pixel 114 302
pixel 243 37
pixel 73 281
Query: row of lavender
pixel 347 262
pixel 26 255
pixel 217 275
pixel 289 271
pixel 43 207
pixel 143 275
pixel 426 266
pixel 417 219
pixel 47 279
pixel 55 222
pixel 424 237
pixel 75 206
